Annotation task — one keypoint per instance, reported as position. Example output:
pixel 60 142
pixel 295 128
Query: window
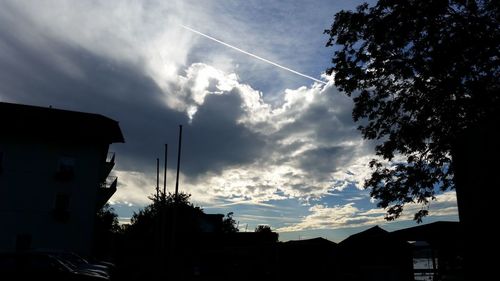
pixel 61 207
pixel 65 168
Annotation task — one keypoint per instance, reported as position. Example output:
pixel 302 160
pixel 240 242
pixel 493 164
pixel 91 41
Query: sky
pixel 271 140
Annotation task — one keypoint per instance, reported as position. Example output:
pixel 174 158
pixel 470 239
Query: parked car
pixel 77 262
pixel 41 266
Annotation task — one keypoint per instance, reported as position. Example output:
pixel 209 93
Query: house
pixel 374 254
pixel 54 175
pixel 306 259
pixel 438 249
pixel 228 256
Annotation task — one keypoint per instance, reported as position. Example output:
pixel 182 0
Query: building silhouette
pixel 374 254
pixel 439 246
pixel 308 259
pixel 54 175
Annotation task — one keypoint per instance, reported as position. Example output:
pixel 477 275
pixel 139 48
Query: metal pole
pixel 174 221
pixel 165 173
pixel 178 162
pixel 157 178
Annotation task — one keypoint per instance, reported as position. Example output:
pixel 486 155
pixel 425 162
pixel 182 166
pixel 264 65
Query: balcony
pixel 108 165
pixel 109 183
pixel 106 189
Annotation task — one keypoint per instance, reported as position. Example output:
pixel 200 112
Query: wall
pixel 28 191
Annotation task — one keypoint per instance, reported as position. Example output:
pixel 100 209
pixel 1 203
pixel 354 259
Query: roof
pixel 371 234
pixel 318 241
pixel 46 123
pixel 435 231
pixel 374 243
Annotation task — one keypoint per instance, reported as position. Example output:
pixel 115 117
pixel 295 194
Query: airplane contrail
pixel 252 55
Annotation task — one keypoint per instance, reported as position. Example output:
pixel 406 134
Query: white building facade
pixel 54 176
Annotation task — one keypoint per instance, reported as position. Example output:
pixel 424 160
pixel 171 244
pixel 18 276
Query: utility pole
pixel 178 162
pixel 175 262
pixel 158 223
pixel 165 173
pixel 163 207
pixel 157 178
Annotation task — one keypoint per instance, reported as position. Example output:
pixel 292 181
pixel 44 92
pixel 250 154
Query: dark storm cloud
pixel 322 161
pixel 326 133
pixel 215 140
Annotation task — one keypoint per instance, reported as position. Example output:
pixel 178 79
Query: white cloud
pixel 348 215
pixel 323 217
pixel 355 173
pixel 444 205
pixel 133 188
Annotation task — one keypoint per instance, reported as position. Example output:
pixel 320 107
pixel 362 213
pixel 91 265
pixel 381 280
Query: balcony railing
pixel 109 183
pixel 108 188
pixel 110 158
pixel 108 165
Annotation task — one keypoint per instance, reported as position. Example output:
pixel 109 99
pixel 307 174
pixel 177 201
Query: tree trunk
pixel 476 158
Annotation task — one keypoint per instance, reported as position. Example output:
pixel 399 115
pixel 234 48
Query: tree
pixel 107 219
pixel 229 224
pixel 420 73
pixel 161 210
pixel 106 228
pixel 263 228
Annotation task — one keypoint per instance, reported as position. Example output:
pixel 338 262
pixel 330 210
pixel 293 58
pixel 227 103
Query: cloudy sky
pixel 271 146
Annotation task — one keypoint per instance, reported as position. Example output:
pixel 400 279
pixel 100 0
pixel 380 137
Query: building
pixel 54 175
pixel 240 255
pixel 307 259
pixel 374 254
pixel 438 249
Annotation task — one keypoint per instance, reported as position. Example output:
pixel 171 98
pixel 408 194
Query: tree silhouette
pixel 107 219
pixel 106 228
pixel 229 224
pixel 263 228
pixel 161 210
pixel 420 73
